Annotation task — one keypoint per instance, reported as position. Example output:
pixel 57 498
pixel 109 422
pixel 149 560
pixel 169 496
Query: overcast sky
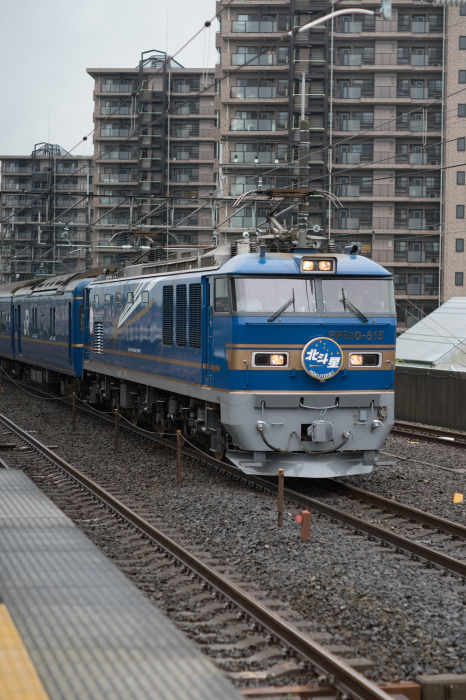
pixel 46 46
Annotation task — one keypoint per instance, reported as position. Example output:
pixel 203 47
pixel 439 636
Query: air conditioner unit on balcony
pixel 434 162
pixel 434 194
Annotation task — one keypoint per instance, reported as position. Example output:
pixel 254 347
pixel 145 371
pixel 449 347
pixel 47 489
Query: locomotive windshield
pixel 291 295
pixel 269 294
pixel 367 296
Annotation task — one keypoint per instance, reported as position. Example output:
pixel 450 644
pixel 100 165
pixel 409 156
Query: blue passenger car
pixel 42 325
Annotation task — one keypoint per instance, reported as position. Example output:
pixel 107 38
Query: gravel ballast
pixel 407 619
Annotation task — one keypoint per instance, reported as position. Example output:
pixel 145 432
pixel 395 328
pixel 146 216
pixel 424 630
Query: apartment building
pixel 45 213
pixel 453 267
pixel 260 81
pixel 154 152
pixel 386 133
pixel 388 129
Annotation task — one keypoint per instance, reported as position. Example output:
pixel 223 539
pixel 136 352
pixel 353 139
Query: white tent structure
pixel 438 340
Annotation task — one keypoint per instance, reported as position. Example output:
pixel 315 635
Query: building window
pixel 462 76
pixel 459 279
pixel 462 110
pixel 460 211
pixel 460 177
pixel 459 245
pixel 462 42
pixel 461 144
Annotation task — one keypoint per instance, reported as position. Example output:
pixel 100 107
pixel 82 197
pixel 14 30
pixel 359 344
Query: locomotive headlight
pixel 317 264
pixel 266 359
pixel 366 359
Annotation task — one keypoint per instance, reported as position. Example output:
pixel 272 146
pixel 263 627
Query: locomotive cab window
pixel 221 295
pixel 354 296
pixel 96 300
pixel 129 297
pixel 107 299
pixel 274 295
pixel 117 297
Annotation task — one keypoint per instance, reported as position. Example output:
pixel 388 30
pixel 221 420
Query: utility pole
pixel 303 170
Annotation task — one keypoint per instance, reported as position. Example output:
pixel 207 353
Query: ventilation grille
pixel 167 323
pixel 195 315
pixel 181 309
pixel 98 338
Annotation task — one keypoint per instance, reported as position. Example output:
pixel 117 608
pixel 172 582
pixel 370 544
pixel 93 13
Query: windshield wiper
pixel 282 308
pixel 348 305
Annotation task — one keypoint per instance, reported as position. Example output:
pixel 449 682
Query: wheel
pixel 220 453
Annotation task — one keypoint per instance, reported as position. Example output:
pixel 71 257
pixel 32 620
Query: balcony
pixel 116 110
pixel 419 59
pixel 348 224
pixel 415 224
pixel 180 133
pixel 186 88
pixel 254 93
pixel 348 158
pixel 117 155
pixel 356 27
pixel 18 170
pixel 245 59
pixel 420 289
pixel 117 177
pixel 253 125
pixel 418 93
pixel 241 222
pixel 350 93
pixel 238 189
pixel 245 27
pixel 117 87
pixel 423 27
pixel 349 191
pixel 390 257
pixel 349 60
pixel 413 158
pixel 354 124
pixel 115 133
pixel 250 157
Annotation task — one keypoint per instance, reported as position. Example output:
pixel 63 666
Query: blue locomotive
pixel 276 360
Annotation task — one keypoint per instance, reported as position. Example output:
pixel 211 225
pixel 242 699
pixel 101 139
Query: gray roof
pixel 439 339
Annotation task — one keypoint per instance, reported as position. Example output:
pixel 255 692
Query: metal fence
pixel 430 396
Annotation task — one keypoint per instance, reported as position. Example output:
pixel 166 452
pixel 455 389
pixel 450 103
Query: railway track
pixel 276 637
pixel 386 521
pixel 447 533
pixel 425 433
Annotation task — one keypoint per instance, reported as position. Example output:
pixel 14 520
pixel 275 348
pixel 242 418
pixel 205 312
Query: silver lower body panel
pixel 301 465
